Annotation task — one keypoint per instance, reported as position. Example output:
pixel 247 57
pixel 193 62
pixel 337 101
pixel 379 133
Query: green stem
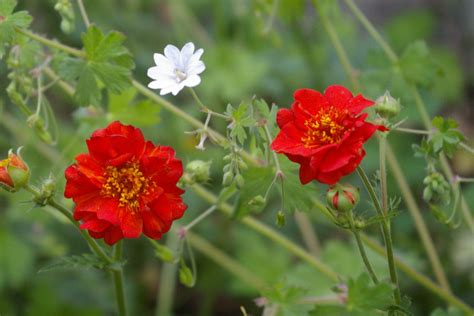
pixel 95 247
pixel 198 100
pixel 226 262
pixel 269 233
pixel 386 234
pixel 198 219
pixel 118 281
pixel 167 286
pixel 52 44
pixel 340 51
pixel 83 11
pixel 418 219
pixel 420 278
pixel 418 102
pixel 360 245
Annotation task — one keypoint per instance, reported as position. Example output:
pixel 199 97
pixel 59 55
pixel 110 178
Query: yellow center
pixel 324 128
pixel 126 183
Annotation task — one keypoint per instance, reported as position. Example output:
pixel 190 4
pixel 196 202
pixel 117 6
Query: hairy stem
pixel 360 245
pixel 118 281
pixel 84 15
pixel 386 234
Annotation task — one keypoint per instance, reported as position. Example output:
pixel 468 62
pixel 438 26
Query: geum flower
pixel 176 69
pixel 125 185
pixel 324 133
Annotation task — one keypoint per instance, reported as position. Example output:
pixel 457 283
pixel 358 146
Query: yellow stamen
pixel 324 128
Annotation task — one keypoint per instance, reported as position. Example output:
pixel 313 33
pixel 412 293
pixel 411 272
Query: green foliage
pixel 85 261
pixel 257 181
pixel 241 118
pixel 418 65
pixel 106 61
pixel 124 108
pixel 287 300
pixel 364 296
pixel 16 261
pixel 9 21
pixel 451 311
pixel 296 196
pixel 447 137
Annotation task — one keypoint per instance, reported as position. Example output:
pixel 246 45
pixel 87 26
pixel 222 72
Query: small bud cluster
pixel 66 10
pixel 232 170
pixel 437 189
pixel 198 171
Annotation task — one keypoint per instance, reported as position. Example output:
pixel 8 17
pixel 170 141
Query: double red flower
pixel 324 133
pixel 125 185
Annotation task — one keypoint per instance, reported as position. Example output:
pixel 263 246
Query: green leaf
pixel 107 62
pixel 364 296
pixel 257 181
pixel 122 107
pixel 84 261
pixel 241 118
pixel 9 21
pixel 297 196
pixel 452 311
pixel 418 65
pixel 288 300
pixel 447 137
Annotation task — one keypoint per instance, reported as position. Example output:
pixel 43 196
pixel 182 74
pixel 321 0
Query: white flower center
pixel 180 75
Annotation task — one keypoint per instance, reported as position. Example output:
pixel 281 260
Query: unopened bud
pixel 256 204
pixel 386 106
pixel 199 170
pixel 437 190
pixel 228 178
pixel 342 197
pixel 14 173
pixel 280 219
pixel 239 181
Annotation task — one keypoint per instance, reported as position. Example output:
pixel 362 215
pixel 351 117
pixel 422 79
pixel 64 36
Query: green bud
pixel 342 197
pixel 164 253
pixel 186 276
pixel 256 204
pixel 242 165
pixel 239 181
pixel 228 178
pixel 280 219
pixel 386 106
pixel 437 190
pixel 199 170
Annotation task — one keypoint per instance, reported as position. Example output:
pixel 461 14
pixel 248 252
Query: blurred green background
pixel 247 53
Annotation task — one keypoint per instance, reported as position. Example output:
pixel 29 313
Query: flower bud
pixel 228 178
pixel 14 173
pixel 256 204
pixel 280 219
pixel 437 189
pixel 199 170
pixel 386 106
pixel 239 181
pixel 342 197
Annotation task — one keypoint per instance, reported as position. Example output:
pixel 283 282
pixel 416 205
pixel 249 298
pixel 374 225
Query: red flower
pixel 324 133
pixel 125 185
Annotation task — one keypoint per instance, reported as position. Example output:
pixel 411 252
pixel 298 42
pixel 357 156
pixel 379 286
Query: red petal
pixel 112 235
pixel 130 223
pixel 95 225
pixel 77 183
pixel 153 227
pixel 311 100
pixel 338 96
pixel 284 116
pixel 359 103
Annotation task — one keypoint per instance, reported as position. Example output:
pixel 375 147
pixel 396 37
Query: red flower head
pixel 125 185
pixel 324 133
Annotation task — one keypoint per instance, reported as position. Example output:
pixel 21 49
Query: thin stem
pixel 307 232
pixel 386 234
pixel 411 131
pixel 383 175
pixel 418 219
pixel 40 95
pixel 269 233
pixel 199 102
pixel 52 44
pixel 372 31
pixel 95 247
pixel 360 245
pixel 118 281
pixel 466 180
pixel 341 53
pixel 418 102
pixel 226 262
pixel 167 284
pixel 85 18
pixel 198 219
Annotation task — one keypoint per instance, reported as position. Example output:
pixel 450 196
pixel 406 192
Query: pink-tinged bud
pixel 342 197
pixel 14 173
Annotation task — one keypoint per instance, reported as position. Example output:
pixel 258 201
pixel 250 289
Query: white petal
pixel 154 72
pixel 154 85
pixel 165 91
pixel 177 88
pixel 186 52
pixel 161 83
pixel 192 81
pixel 173 54
pixel 195 68
pixel 163 63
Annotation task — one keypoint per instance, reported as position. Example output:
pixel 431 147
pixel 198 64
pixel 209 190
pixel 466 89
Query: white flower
pixel 176 69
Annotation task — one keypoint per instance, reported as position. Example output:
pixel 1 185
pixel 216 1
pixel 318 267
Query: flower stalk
pixel 118 281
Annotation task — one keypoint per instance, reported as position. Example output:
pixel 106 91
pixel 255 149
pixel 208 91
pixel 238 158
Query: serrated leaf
pixel 297 196
pixel 9 21
pixel 241 119
pixel 84 261
pixel 257 181
pixel 447 137
pixel 417 64
pixel 288 299
pixel 364 296
pixel 107 61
